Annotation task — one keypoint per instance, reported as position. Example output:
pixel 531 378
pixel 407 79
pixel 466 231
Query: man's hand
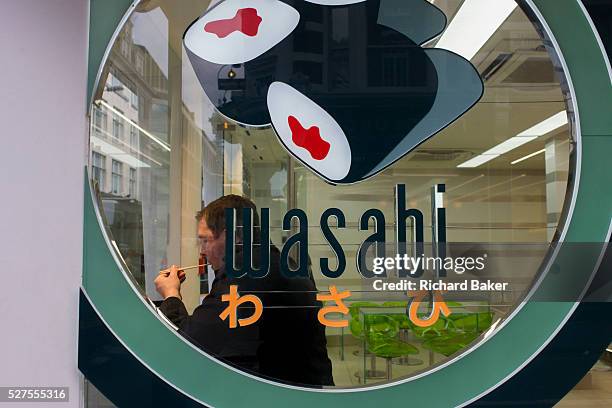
pixel 168 282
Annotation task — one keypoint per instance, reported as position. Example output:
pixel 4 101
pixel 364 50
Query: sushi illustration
pixel 346 84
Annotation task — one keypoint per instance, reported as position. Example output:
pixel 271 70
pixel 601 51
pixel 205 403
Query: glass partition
pixel 161 149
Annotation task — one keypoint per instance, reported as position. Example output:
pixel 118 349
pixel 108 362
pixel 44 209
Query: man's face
pixel 211 246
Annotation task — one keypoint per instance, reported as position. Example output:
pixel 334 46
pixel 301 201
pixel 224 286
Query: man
pixel 287 343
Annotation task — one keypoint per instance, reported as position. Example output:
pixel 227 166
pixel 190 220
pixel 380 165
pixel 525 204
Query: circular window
pixel 381 142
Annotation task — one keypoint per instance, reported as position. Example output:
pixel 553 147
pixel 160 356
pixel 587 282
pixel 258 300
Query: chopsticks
pixel 166 272
pixel 192 267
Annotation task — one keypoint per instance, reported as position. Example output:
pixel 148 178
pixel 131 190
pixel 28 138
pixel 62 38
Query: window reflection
pixel 159 153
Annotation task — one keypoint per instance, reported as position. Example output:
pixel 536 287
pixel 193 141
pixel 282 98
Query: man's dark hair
pixel 214 213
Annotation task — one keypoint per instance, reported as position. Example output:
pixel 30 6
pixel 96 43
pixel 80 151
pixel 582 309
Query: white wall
pixel 42 154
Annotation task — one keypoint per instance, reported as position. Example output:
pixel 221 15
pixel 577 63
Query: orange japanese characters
pixel 236 300
pixel 340 307
pixel 438 305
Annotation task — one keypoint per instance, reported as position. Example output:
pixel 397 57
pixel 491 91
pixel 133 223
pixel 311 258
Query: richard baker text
pixel 438 285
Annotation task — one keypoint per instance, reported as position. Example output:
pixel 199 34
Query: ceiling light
pixel 478 160
pixel 546 126
pixel 529 156
pixel 474 24
pixel 510 144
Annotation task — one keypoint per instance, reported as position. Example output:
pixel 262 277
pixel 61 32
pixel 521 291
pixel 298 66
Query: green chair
pixel 477 322
pixel 434 330
pixel 459 331
pixel 355 324
pixel 453 333
pixel 391 349
pixel 402 319
pixel 405 326
pixel 356 327
pixel 381 340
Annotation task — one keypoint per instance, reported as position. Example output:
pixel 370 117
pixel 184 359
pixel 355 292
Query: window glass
pixel 117 129
pixel 98 167
pixel 117 177
pixel 100 121
pixel 133 137
pixel 132 182
pixel 134 100
pixel 501 170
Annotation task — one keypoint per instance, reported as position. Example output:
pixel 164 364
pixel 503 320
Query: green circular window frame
pixel 464 379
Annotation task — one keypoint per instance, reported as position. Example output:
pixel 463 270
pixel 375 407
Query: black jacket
pixel 287 343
